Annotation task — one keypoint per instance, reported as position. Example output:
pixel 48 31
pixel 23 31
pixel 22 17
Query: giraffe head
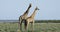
pixel 37 8
pixel 30 5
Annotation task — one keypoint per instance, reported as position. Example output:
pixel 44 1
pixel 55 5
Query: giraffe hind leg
pixel 20 23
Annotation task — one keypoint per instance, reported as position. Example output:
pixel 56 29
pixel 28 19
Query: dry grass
pixel 38 27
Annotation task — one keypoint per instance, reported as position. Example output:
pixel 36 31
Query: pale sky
pixel 12 9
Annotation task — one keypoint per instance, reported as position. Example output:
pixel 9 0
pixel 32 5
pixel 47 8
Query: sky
pixel 12 9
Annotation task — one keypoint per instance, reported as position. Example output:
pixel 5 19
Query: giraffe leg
pixel 20 23
pixel 21 26
pixel 26 24
pixel 33 26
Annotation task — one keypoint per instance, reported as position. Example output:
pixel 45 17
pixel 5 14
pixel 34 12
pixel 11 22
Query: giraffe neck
pixel 27 11
pixel 33 14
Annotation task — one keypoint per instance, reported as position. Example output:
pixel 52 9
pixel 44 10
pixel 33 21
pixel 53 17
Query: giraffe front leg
pixel 26 26
pixel 31 26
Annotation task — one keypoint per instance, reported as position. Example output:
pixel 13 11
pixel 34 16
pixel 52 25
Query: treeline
pixel 36 21
pixel 47 21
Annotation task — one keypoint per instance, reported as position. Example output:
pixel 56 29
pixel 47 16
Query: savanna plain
pixel 39 26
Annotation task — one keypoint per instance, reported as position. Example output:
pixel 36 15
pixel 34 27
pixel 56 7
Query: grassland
pixel 38 27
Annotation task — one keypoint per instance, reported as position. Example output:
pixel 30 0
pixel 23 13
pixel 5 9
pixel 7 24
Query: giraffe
pixel 23 17
pixel 30 19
